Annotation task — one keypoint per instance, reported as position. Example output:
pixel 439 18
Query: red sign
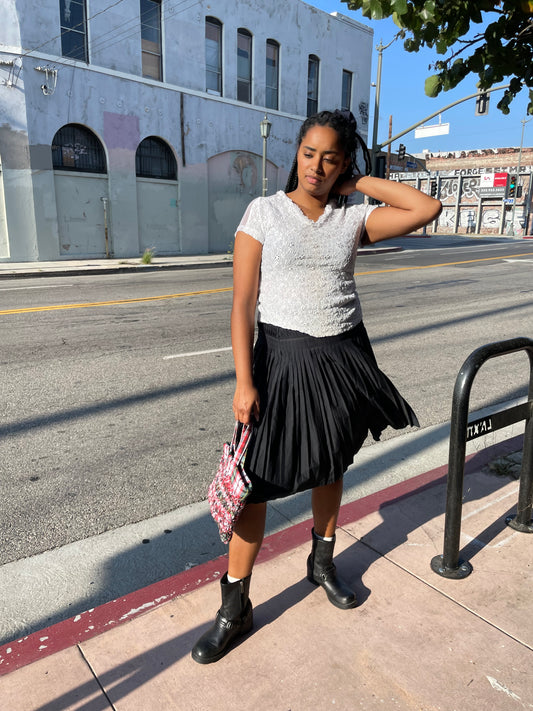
pixel 500 180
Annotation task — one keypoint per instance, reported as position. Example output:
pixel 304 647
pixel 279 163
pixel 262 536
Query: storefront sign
pixel 492 192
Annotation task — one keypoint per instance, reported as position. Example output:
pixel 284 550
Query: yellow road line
pixel 445 264
pixel 60 307
pixel 89 305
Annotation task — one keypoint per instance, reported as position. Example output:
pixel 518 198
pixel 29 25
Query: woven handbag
pixel 231 486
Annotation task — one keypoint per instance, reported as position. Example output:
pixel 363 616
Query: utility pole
pixel 389 148
pixel 379 48
pixel 510 231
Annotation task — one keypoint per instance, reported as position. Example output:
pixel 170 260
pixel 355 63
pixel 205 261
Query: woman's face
pixel 320 161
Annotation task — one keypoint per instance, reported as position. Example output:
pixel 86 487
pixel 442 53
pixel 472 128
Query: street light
pixel 265 127
pixel 510 231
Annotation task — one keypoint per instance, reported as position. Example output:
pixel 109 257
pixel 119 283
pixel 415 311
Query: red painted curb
pixel 91 623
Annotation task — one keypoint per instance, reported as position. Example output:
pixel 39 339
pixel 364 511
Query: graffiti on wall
pixel 491 218
pixel 450 186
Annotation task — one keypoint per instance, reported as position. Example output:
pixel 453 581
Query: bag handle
pixel 241 438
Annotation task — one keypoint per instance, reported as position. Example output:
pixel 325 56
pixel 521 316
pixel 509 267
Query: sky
pixel 402 96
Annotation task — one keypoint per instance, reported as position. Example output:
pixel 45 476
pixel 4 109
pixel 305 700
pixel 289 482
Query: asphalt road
pixel 113 413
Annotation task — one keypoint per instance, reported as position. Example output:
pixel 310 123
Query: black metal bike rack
pixel 448 565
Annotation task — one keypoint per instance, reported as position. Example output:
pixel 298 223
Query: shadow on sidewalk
pixel 405 514
pixel 127 677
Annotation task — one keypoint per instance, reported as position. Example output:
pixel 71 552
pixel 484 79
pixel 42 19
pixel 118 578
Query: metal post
pixel 457 220
pixel 265 127
pixel 264 167
pixel 448 564
pixel 106 236
pixel 387 172
pixel 522 521
pixel 511 227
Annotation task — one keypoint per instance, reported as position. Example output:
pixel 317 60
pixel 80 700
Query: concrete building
pixel 487 191
pixel 135 124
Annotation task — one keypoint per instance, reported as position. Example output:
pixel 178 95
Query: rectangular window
pixel 346 103
pixel 272 75
pixel 213 56
pixel 73 18
pixel 244 66
pixel 312 85
pixel 151 39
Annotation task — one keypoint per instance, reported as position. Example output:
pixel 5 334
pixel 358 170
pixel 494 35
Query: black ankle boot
pixel 321 571
pixel 234 618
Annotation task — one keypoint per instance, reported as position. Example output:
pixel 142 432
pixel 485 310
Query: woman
pixel 311 386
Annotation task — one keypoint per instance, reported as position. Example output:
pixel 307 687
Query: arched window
pixel 76 148
pixel 312 84
pixel 244 66
pixel 213 55
pixel 272 74
pixel 154 159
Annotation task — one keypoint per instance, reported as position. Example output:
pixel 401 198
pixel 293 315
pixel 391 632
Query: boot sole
pixel 339 605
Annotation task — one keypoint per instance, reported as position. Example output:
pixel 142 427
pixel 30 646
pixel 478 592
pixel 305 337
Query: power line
pixel 131 28
pixel 26 54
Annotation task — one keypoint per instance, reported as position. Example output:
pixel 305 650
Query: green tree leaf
pixel 433 86
pixel 502 51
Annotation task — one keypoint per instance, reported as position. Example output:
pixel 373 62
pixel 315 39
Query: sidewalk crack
pixel 86 660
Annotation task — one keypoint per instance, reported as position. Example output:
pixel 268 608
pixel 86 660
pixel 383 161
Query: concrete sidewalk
pixel 64 267
pixel 416 641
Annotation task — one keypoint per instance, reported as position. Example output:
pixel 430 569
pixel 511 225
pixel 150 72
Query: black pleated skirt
pixel 320 398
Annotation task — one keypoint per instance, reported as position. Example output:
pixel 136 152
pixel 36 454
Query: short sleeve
pixel 369 209
pixel 252 222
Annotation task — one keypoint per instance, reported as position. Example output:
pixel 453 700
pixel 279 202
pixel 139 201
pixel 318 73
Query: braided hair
pixel 344 123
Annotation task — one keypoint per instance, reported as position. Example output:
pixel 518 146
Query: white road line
pixel 23 288
pixel 514 261
pixel 196 353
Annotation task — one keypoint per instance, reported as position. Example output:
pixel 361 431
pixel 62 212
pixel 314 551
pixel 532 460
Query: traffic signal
pixel 511 188
pixel 433 188
pixel 518 191
pixel 401 151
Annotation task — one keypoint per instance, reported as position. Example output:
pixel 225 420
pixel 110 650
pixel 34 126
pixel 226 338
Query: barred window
pixel 154 159
pixel 77 148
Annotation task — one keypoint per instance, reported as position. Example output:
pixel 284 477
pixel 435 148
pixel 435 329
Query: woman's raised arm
pixel 406 209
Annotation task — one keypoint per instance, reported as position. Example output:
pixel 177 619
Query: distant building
pixel 482 191
pixel 134 125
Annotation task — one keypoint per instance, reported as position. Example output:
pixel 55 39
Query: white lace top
pixel 307 268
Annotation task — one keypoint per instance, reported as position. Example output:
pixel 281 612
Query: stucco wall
pixel 110 98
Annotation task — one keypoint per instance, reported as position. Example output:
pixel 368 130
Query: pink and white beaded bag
pixel 231 486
